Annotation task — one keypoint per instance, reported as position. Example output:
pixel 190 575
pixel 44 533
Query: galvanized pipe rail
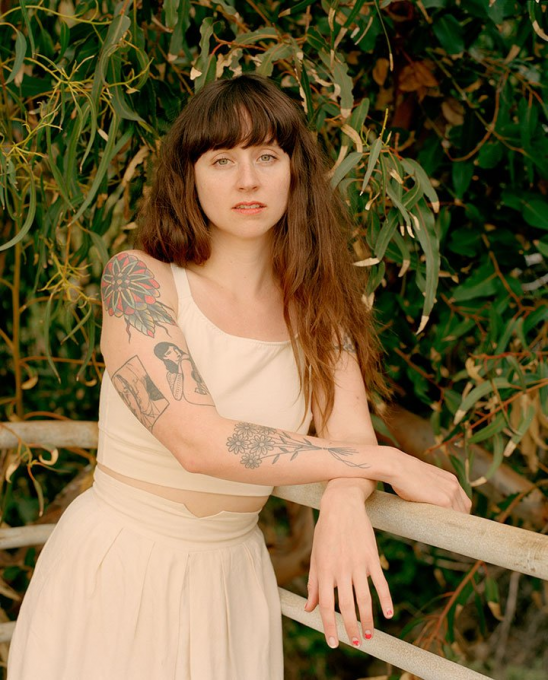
pixel 475 537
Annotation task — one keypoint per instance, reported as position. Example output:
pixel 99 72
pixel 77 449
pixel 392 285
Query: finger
pixel 467 502
pixel 312 601
pixel 327 612
pixel 383 591
pixel 348 611
pixel 363 598
pixel 463 503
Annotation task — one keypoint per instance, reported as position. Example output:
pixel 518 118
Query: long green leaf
pixel 424 228
pixel 296 8
pixel 99 244
pixel 391 192
pixel 402 246
pixel 111 150
pixel 348 164
pixel 178 35
pixel 273 54
pixel 386 234
pixel 255 36
pixel 344 81
pixel 414 169
pixel 478 393
pixel 119 102
pixel 48 318
pixel 26 19
pixel 79 325
pixel 29 217
pixel 526 419
pixel 20 52
pixel 357 119
pixel 92 330
pixel 62 182
pixel 496 425
pixel 202 65
pixel 305 90
pixel 354 13
pixel 373 157
pixel 171 8
pixel 117 29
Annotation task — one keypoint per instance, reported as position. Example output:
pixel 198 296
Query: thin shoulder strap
pixel 180 279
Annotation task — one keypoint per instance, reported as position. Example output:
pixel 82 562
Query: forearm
pixel 360 487
pixel 244 452
pixel 363 488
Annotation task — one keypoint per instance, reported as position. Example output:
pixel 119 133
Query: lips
pixel 249 206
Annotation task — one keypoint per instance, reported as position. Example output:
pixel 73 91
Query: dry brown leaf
pixel 384 98
pixel 417 77
pixel 453 111
pixel 424 70
pixel 495 610
pixel 135 161
pixel 473 370
pixel 380 71
pixel 30 383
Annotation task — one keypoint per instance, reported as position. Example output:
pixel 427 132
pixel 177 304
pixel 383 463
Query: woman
pixel 244 291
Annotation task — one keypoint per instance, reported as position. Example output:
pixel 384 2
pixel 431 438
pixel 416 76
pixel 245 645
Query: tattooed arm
pixel 148 359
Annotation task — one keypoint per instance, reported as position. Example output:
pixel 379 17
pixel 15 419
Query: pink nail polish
pixel 355 642
pixel 368 635
pixel 389 613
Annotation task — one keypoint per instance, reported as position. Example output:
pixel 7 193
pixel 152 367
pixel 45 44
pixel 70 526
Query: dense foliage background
pixel 434 116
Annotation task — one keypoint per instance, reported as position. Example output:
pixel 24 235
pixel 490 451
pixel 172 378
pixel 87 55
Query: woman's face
pixel 172 353
pixel 243 191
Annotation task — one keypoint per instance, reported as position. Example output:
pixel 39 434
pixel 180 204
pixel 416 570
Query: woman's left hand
pixel 344 555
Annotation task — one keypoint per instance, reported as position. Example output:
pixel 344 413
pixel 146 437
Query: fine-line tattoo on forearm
pixel 255 443
pixel 129 290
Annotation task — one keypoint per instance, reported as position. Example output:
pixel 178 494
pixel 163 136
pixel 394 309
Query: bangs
pixel 241 113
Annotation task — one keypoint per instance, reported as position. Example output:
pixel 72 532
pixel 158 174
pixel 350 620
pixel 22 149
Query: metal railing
pixel 480 539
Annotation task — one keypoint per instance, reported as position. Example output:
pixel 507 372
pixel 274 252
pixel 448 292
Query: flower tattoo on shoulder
pixel 130 290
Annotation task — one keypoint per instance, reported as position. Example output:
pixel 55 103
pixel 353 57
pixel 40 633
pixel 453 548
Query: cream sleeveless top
pixel 251 380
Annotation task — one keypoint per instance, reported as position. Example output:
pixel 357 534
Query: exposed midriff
pixel 199 503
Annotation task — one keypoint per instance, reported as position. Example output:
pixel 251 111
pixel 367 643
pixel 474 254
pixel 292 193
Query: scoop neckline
pixel 274 343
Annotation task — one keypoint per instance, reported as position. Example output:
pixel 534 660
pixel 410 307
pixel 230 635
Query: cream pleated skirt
pixel 131 586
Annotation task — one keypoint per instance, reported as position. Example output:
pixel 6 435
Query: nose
pixel 248 178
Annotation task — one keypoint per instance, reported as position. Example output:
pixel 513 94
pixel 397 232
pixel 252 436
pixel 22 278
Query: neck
pixel 243 266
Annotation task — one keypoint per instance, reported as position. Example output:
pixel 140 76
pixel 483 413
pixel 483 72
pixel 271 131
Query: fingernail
pixel 368 635
pixel 332 642
pixel 355 642
pixel 389 613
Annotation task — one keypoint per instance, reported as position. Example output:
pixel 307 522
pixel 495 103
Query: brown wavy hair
pixel 322 292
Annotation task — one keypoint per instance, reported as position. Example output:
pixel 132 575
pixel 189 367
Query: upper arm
pixel 146 354
pixel 350 419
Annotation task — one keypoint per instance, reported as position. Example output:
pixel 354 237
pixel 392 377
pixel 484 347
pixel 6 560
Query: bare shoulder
pixel 140 289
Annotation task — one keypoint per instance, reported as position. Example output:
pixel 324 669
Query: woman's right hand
pixel 414 480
